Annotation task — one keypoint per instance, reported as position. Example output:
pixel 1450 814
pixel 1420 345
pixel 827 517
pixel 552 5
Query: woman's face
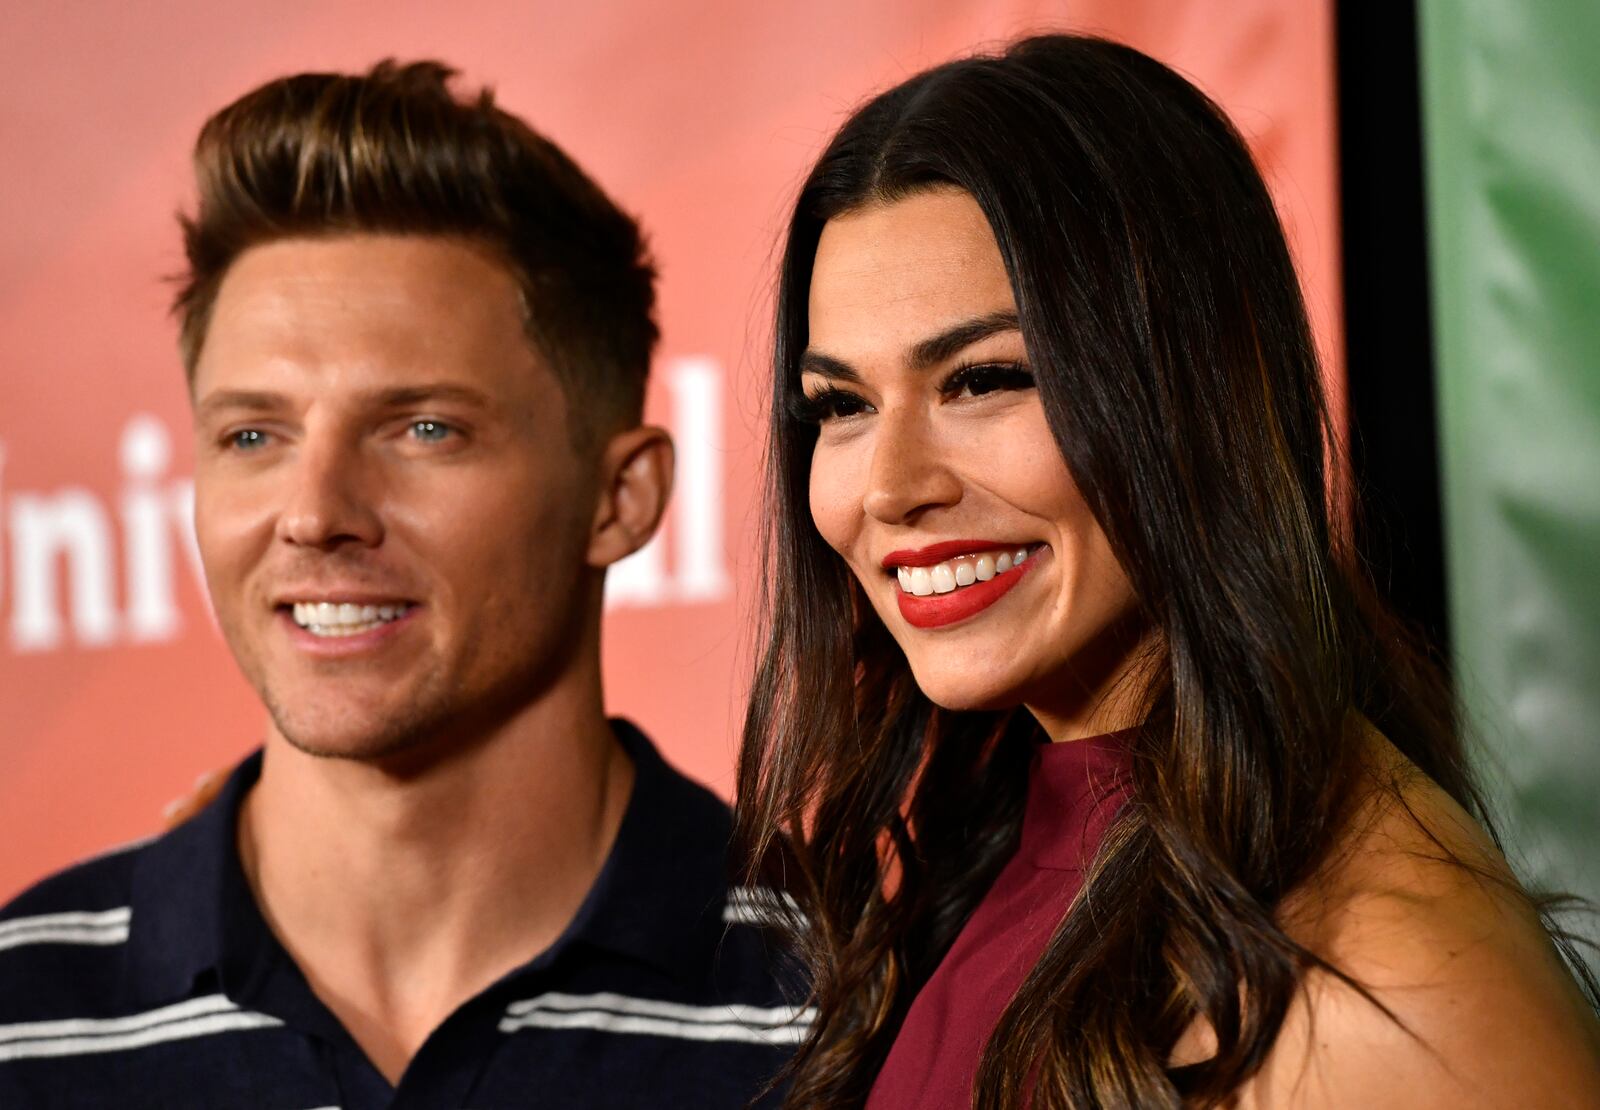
pixel 937 478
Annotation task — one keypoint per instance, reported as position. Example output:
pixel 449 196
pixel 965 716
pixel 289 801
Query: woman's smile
pixel 939 587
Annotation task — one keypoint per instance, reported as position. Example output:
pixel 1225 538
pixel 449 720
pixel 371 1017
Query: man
pixel 416 338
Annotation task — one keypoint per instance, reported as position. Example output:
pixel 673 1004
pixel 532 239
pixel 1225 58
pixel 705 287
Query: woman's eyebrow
pixel 815 362
pixel 950 342
pixel 927 353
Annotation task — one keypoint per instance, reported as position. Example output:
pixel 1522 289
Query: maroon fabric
pixel 1074 792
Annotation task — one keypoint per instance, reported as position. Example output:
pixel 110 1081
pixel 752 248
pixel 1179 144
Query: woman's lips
pixel 938 552
pixel 937 610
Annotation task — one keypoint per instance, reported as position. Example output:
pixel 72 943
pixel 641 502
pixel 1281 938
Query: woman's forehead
pixel 890 274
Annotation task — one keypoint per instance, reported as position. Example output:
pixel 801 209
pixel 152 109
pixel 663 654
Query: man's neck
pixel 401 897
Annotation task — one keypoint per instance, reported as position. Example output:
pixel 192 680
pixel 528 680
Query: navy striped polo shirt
pixel 149 978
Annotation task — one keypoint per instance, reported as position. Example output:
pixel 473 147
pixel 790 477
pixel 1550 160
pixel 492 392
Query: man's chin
pixel 438 721
pixel 357 749
pixel 378 739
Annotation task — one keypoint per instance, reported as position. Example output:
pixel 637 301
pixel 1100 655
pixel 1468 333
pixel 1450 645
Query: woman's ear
pixel 635 482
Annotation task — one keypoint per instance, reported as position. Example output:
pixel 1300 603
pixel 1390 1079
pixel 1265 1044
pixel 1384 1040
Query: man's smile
pixel 346 618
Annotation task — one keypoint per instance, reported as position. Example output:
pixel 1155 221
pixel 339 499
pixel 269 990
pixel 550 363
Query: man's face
pixel 393 520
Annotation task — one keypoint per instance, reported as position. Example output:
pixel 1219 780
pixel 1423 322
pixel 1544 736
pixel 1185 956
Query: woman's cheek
pixel 835 502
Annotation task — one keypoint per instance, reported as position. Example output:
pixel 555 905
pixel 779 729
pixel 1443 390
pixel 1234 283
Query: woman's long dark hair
pixel 1167 334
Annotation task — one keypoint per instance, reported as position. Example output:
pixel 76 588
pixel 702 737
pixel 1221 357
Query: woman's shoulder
pixel 1417 905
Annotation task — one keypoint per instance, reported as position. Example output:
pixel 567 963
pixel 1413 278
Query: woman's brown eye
pixel 980 380
pixel 826 405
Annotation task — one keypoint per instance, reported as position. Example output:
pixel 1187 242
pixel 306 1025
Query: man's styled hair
pixel 392 151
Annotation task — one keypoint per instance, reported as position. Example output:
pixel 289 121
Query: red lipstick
pixel 939 552
pixel 938 610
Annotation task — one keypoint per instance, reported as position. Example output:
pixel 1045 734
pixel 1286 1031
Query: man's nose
pixel 910 473
pixel 330 499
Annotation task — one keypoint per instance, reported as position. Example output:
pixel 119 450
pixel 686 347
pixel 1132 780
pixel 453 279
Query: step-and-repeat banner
pixel 115 689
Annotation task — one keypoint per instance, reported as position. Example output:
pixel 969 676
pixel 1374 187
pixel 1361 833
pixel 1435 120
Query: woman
pixel 1048 464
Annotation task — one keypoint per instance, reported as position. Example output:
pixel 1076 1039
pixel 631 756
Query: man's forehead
pixel 365 313
pixel 384 277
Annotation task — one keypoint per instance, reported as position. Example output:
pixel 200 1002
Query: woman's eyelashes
pixel 823 405
pixel 830 403
pixel 979 379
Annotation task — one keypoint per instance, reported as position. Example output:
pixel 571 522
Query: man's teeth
pixel 325 618
pixel 953 574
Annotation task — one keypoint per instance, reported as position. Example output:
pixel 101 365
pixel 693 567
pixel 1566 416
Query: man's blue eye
pixel 247 439
pixel 430 431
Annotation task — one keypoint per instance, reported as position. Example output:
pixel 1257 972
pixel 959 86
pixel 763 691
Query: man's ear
pixel 635 482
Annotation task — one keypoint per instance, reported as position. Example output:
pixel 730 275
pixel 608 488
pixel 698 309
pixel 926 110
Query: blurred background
pixel 1435 163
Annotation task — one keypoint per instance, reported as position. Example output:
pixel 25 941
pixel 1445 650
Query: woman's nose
pixel 909 473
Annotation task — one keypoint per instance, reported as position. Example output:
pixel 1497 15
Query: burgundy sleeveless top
pixel 1074 791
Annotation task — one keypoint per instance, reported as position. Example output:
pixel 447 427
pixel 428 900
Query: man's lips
pixel 359 641
pixel 334 595
pixel 330 619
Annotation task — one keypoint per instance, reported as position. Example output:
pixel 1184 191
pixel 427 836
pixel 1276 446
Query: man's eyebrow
pixel 253 400
pixel 435 391
pixel 950 342
pixel 929 352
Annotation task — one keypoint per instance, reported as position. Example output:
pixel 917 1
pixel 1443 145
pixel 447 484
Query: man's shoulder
pixel 696 811
pixel 677 863
pixel 104 874
pixel 675 839
pixel 64 939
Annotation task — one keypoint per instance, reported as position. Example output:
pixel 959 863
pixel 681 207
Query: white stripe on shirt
pixel 72 1027
pixel 196 1017
pixel 176 1031
pixel 655 1007
pixel 659 1027
pixel 77 927
pixel 618 1013
pixel 761 906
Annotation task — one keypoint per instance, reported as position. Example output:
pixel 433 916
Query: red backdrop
pixel 115 689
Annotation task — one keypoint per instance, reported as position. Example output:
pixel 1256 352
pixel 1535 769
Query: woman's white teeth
pixel 942 578
pixel 324 618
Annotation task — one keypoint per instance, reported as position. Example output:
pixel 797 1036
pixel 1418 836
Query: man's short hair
pixel 393 151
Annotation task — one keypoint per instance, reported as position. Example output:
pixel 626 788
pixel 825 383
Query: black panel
pixel 1388 316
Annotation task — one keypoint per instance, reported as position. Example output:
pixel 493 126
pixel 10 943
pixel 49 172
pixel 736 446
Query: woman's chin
pixel 964 693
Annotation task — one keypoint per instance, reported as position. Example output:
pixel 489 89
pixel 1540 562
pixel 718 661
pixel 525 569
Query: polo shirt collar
pixel 189 895
pixel 658 898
